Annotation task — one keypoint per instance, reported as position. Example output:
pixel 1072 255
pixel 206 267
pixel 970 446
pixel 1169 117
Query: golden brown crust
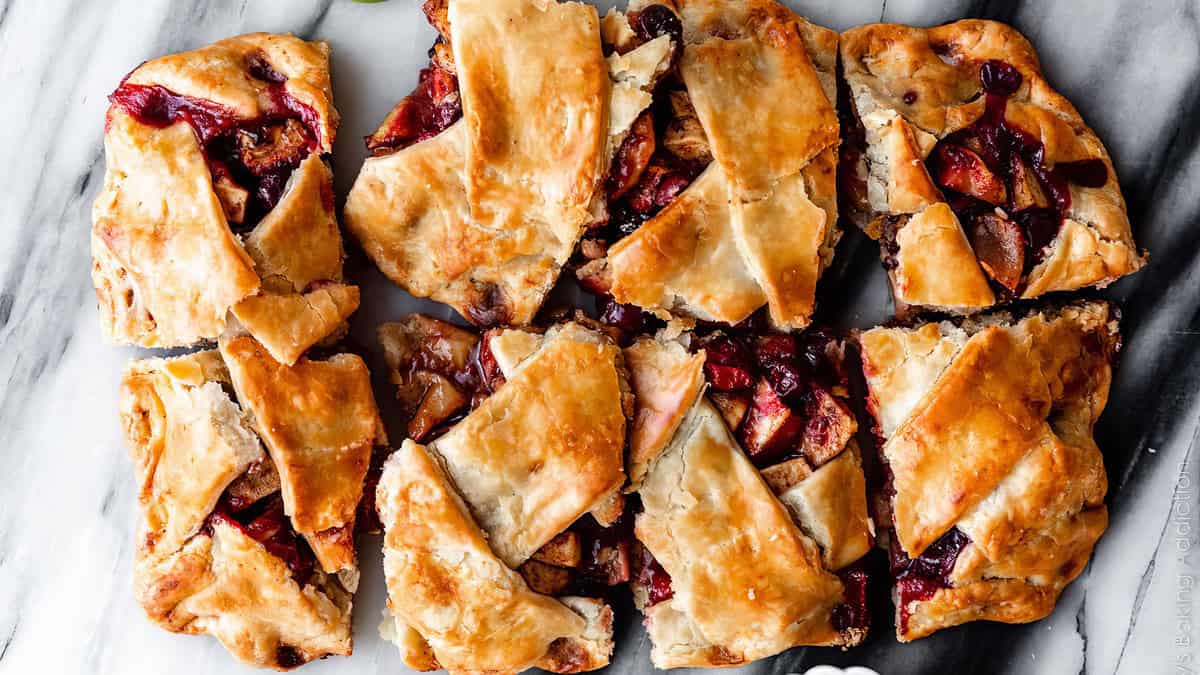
pixel 766 587
pixel 912 87
pixel 468 610
pixel 157 206
pixel 319 422
pixel 666 382
pixel 166 267
pixel 197 572
pixel 759 225
pixel 547 447
pixel 990 432
pixel 747 583
pixel 523 161
pixel 483 216
pixel 218 73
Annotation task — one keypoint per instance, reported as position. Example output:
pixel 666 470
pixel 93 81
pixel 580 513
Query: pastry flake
pixel 956 133
pixel 227 544
pixel 995 487
pixel 217 199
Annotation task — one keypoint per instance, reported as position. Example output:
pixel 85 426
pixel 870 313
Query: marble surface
pixel 66 490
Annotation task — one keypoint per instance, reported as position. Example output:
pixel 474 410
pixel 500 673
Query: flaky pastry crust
pixel 483 216
pixel 166 266
pixel 986 428
pixel 911 88
pixel 761 221
pixel 197 570
pixel 751 568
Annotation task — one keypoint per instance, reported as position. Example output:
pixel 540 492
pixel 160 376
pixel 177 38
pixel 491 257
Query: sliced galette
pixel 751 503
pixel 721 198
pixel 216 199
pixel 981 183
pixel 253 546
pixel 481 212
pixel 504 531
pixel 993 490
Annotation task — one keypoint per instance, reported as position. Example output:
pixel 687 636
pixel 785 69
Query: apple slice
pixel 770 428
pixel 1026 190
pixel 999 246
pixel 962 170
pixel 733 407
pixel 828 426
pixel 563 550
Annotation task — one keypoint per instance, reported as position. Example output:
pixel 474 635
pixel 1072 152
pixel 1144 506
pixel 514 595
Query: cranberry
pixel 261 69
pixel 910 97
pixel 629 319
pixel 776 355
pixel 999 78
pixel 1091 173
pixel 852 613
pixel 429 110
pixel 656 20
pixel 159 107
pixel 670 188
pixel 654 578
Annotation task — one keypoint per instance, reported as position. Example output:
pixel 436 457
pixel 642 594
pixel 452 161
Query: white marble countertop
pixel 67 495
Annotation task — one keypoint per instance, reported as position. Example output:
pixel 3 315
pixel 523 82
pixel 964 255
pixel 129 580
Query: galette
pixel 540 132
pixel 751 506
pixel 721 198
pixel 993 489
pixel 502 521
pixel 216 199
pixel 250 473
pixel 981 183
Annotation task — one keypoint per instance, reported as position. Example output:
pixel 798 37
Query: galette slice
pixel 981 183
pixel 481 213
pixel 753 507
pixel 527 431
pixel 722 197
pixel 216 199
pixel 993 495
pixel 250 544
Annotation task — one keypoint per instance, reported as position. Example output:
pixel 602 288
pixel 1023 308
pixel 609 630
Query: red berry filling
pixel 651 576
pixel 995 164
pixel 919 578
pixel 250 159
pixel 429 110
pixel 266 523
pixel 853 614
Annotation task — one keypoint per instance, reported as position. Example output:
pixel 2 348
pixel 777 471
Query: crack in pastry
pixel 753 503
pixel 482 180
pixel 722 198
pixel 981 183
pixel 520 475
pixel 217 199
pixel 993 496
pixel 251 546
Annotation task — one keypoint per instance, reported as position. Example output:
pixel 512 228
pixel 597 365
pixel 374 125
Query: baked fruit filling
pixel 664 150
pixel 254 505
pixel 441 373
pixel 434 104
pixel 250 159
pixel 995 178
pixel 981 182
pixel 1002 408
pixel 785 398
